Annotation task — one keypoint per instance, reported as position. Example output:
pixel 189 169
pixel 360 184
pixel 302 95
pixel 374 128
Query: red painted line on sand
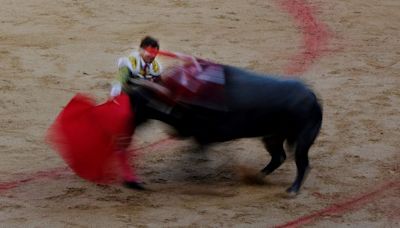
pixel 59 171
pixel 51 173
pixel 341 208
pixel 315 35
pixel 153 145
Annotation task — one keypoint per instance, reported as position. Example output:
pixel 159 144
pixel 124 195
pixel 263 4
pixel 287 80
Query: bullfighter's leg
pixel 127 172
pixel 274 146
pixel 129 177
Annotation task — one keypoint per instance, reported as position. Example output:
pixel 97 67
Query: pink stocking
pixel 128 173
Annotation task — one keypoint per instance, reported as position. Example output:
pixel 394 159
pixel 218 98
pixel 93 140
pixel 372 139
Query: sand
pixel 348 51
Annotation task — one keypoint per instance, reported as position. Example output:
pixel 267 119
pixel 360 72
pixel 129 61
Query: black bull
pixel 272 108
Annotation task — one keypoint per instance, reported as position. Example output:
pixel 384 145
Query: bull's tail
pixel 316 121
pixel 313 127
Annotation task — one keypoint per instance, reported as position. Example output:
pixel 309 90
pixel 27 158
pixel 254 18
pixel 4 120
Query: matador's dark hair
pixel 149 41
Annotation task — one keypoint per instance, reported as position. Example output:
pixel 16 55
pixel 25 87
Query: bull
pixel 242 104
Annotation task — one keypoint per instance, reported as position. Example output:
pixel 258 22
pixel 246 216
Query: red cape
pixel 88 136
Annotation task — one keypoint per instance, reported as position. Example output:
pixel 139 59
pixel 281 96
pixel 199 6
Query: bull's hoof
pixel 134 185
pixel 292 192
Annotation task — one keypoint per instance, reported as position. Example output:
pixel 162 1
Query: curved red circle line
pixel 315 35
pixel 341 208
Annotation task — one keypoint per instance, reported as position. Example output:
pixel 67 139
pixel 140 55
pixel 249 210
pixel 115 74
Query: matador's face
pixel 148 54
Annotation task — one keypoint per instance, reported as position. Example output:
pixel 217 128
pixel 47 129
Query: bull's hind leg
pixel 303 143
pixel 274 146
pixel 302 164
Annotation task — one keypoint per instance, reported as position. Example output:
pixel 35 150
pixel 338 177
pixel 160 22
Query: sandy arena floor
pixel 348 50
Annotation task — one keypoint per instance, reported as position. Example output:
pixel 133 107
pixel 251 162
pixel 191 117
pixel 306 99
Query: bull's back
pixel 247 90
pixel 260 105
